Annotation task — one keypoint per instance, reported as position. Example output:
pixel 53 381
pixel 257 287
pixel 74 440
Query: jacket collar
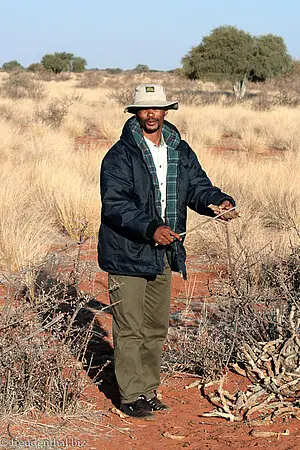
pixel 132 132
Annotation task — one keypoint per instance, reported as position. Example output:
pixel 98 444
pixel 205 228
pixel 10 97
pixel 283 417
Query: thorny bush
pixel 22 85
pixel 91 80
pixel 254 307
pixel 44 349
pixel 55 112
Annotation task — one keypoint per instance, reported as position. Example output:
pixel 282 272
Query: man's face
pixel 151 119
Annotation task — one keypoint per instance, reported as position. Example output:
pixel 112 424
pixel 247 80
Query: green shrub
pixel 35 67
pixel 12 66
pixel 141 68
pixel 114 70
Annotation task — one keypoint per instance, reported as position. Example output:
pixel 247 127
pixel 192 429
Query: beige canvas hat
pixel 150 96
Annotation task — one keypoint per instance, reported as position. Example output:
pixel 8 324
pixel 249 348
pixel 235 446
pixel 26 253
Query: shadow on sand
pixel 85 334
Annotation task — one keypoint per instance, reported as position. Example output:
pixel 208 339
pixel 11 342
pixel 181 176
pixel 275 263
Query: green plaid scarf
pixel 172 141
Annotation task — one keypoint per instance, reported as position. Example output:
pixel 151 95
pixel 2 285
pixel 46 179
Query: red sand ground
pixel 183 426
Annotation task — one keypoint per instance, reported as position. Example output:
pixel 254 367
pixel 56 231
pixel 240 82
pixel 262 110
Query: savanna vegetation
pixel 49 189
pixel 230 54
pixel 50 198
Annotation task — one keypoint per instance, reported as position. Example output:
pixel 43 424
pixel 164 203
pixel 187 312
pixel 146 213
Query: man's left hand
pixel 225 206
pixel 229 216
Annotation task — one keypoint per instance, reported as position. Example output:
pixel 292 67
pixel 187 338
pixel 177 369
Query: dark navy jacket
pixel 129 217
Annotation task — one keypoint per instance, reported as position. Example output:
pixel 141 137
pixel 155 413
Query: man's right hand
pixel 165 236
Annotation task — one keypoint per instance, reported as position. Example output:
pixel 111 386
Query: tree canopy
pixel 270 57
pixel 234 55
pixel 35 67
pixel 140 68
pixel 77 64
pixel 12 66
pixel 63 62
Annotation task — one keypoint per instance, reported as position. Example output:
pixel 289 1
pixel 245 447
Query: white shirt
pixel 160 158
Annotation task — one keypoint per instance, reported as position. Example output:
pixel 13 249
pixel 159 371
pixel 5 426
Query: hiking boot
pixel 156 405
pixel 139 409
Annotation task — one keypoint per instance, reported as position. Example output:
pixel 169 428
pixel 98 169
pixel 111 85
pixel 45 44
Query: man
pixel 148 179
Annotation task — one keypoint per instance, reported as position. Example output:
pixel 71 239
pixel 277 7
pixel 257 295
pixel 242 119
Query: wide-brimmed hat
pixel 150 96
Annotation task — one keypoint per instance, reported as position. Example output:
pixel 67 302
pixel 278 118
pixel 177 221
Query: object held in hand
pixel 228 215
pixel 218 216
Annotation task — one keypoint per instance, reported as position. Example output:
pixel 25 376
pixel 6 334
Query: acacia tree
pixel 234 55
pixel 77 64
pixel 63 62
pixel 140 68
pixel 270 57
pixel 35 67
pixel 12 66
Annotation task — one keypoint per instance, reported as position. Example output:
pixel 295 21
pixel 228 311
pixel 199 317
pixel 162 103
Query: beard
pixel 150 126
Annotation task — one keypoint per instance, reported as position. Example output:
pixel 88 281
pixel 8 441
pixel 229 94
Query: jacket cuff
pixel 152 227
pixel 228 198
pixel 219 198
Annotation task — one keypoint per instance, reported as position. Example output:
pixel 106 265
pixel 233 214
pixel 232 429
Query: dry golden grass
pixel 49 189
pixel 71 199
pixel 26 232
pixel 257 129
pixel 267 194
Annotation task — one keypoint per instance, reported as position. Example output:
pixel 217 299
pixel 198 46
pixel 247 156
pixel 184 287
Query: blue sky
pixel 116 33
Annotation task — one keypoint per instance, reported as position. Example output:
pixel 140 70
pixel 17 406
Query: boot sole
pixel 149 417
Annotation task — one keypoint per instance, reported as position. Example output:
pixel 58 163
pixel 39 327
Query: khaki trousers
pixel 140 325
